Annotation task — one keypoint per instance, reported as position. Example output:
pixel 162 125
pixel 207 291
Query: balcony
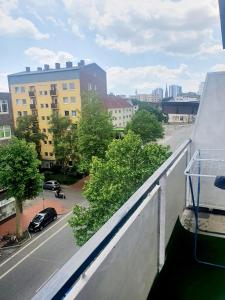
pixel 33 106
pixel 53 92
pixel 54 106
pixel 32 93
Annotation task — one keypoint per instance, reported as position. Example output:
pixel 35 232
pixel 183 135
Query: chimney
pixel 27 69
pixel 81 63
pixel 57 65
pixel 39 69
pixel 69 64
pixel 46 67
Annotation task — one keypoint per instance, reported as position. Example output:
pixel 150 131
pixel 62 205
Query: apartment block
pixel 6 120
pixel 47 90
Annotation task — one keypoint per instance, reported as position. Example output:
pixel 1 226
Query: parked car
pixel 42 219
pixel 51 185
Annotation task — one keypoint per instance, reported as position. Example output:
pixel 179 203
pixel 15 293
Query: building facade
pixel 43 92
pixel 6 120
pixel 121 111
pixel 158 92
pixel 180 112
pixel 175 90
pixel 146 97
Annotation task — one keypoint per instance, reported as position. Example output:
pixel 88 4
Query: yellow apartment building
pixel 46 90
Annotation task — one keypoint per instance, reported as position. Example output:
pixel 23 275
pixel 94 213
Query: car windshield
pixel 38 217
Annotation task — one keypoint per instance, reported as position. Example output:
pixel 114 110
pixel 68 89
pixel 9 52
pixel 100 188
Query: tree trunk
pixel 18 220
pixel 21 206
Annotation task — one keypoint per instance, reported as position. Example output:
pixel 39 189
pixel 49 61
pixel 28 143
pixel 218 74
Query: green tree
pixel 64 140
pixel 146 125
pixel 126 166
pixel 28 129
pixel 161 117
pixel 95 130
pixel 19 174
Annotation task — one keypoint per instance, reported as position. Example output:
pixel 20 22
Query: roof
pixel 111 102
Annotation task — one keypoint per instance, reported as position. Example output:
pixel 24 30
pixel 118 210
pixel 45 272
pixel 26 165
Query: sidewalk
pixel 28 214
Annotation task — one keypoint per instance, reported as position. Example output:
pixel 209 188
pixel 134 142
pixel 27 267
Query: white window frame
pixel 65 86
pixel 66 102
pixel 73 111
pixel 71 83
pixel 5 128
pixel 4 102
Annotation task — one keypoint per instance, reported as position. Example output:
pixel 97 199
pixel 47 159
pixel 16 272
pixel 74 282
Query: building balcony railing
pixel 53 92
pixel 33 106
pixel 54 106
pixel 143 224
pixel 32 93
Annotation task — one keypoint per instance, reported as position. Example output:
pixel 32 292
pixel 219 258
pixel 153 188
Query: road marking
pixel 46 281
pixel 25 257
pixel 39 236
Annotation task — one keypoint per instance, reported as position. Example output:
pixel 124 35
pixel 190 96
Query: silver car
pixel 51 185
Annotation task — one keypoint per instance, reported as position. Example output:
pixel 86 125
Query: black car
pixel 42 219
pixel 51 185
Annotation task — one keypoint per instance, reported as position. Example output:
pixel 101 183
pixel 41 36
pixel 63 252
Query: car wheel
pixel 41 228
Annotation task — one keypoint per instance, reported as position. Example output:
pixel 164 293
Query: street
pixel 26 271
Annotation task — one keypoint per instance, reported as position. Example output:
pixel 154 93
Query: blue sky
pixel 141 44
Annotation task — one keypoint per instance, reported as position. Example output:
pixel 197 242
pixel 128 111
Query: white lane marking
pixel 46 281
pixel 25 257
pixel 40 235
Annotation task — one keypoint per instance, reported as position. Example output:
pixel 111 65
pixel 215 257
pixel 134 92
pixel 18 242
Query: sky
pixel 142 45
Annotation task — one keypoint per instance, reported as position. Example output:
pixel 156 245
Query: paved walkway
pixel 32 207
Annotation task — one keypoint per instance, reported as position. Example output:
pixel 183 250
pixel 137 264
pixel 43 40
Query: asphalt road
pixel 27 270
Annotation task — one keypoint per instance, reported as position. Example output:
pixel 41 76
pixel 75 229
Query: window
pixel 3 107
pixel 73 113
pixel 67 113
pixel 42 106
pixel 51 154
pixel 44 130
pixel 24 101
pixel 46 105
pixel 19 89
pixel 40 92
pixel 43 118
pixel 24 113
pixel 45 93
pixel 65 100
pixel 45 142
pixel 48 118
pixel 53 86
pixel 72 99
pixel 64 86
pixel 5 132
pixel 46 153
pixel 50 142
pixel 71 85
pixel 19 114
pixel 21 101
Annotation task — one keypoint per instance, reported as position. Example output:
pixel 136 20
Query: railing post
pixel 162 222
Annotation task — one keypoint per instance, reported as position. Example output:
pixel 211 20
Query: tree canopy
pixel 95 130
pixel 113 179
pixel 161 117
pixel 64 140
pixel 27 128
pixel 19 173
pixel 146 125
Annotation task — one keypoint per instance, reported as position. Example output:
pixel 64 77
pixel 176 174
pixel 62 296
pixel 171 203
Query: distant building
pixel 120 110
pixel 158 92
pixel 180 112
pixel 6 118
pixel 166 93
pixel 146 97
pixel 48 90
pixel 200 89
pixel 187 97
pixel 175 90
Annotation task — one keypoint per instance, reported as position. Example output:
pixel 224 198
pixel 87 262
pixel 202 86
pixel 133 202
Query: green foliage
pixel 146 125
pixel 27 129
pixel 161 117
pixel 126 166
pixel 95 130
pixel 64 139
pixel 19 170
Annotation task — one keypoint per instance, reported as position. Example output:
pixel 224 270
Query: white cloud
pixel 130 26
pixel 46 56
pixel 17 26
pixel 218 67
pixel 3 82
pixel 144 79
pixel 56 22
